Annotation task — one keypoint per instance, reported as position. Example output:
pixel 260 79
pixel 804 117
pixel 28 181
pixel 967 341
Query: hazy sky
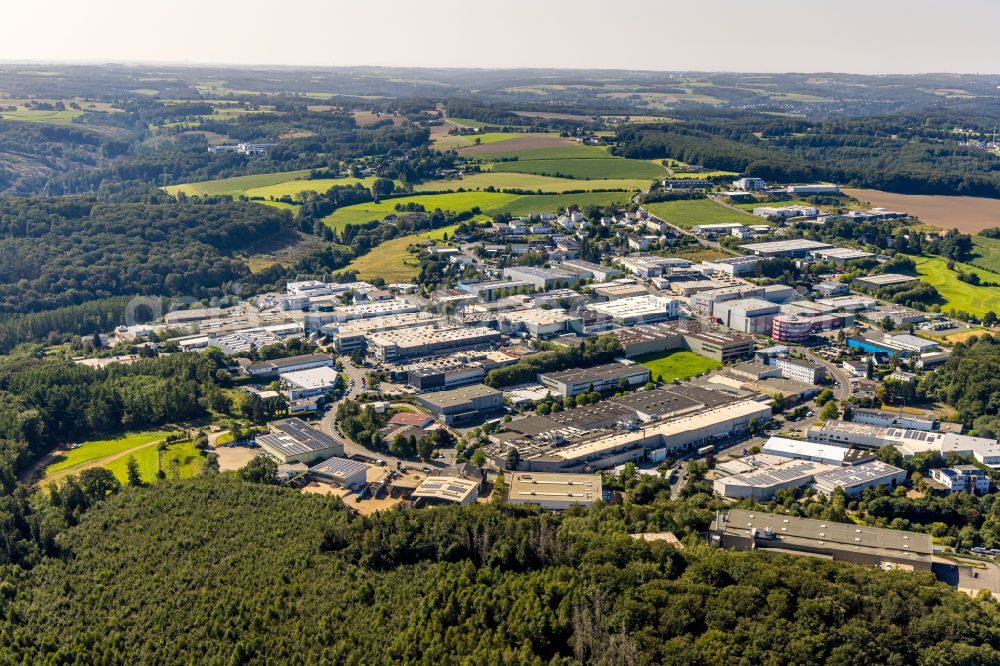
pixel 868 36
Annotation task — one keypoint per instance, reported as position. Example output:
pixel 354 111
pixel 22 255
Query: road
pixel 842 390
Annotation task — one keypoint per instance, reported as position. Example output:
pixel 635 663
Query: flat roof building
pixel 855 480
pixel 827 454
pixel 309 383
pixel 764 482
pixel 840 255
pixel 796 247
pixel 739 529
pixel 462 405
pixel 690 335
pixel 293 440
pixel 638 309
pixel 883 280
pixel 277 366
pixel 733 266
pixel 447 489
pixel 426 341
pixel 556 492
pixel 602 378
pixel 344 472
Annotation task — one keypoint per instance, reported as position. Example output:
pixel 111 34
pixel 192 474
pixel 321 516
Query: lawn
pixel 539 203
pixel 392 261
pixel 689 213
pixel 959 295
pixel 189 462
pixel 676 365
pixel 103 448
pixel 527 181
pixel 584 168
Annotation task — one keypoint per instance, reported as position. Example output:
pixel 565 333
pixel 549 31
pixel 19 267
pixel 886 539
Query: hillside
pixel 237 573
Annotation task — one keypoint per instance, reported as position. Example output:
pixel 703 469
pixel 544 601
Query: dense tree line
pixel 888 153
pixel 64 251
pixel 969 381
pixel 45 402
pixel 229 570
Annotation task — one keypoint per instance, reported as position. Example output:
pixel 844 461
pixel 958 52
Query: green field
pixel 189 462
pixel 48 117
pixel 456 202
pixel 987 251
pixel 293 187
pixel 454 141
pixel 673 365
pixel 99 453
pixel 585 168
pixel 957 294
pixel 540 203
pixel 693 212
pixel 527 181
pixel 392 261
pixel 571 151
pixel 235 185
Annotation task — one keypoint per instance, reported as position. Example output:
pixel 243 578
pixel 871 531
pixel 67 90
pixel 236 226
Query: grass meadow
pixel 689 213
pixel 673 365
pixel 957 294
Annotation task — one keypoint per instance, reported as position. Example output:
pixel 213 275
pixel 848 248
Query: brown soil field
pixel 527 142
pixel 367 118
pixel 553 116
pixel 967 214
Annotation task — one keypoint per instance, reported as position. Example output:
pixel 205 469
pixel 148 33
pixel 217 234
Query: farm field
pixel 540 147
pixel 693 212
pixel 527 181
pixel 676 364
pixel 293 187
pixel 490 203
pixel 455 202
pixel 233 186
pixel 987 251
pixel 959 295
pixel 456 141
pixel 585 168
pixel 99 453
pixel 47 117
pixel 967 214
pixel 391 260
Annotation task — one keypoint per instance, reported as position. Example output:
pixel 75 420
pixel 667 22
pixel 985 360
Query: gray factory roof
pixel 444 399
pixel 294 436
pixel 805 532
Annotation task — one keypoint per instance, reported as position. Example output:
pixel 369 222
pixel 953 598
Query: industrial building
pixel 423 341
pixel 376 309
pixel 638 309
pixel 840 255
pixel 309 383
pixel 349 336
pixel 608 377
pixel 462 405
pixel 293 441
pixel 687 335
pixel 275 367
pixel 620 289
pixel 857 479
pixel 762 483
pixel 544 278
pixel 746 315
pixel 458 484
pixel 827 454
pixel 705 302
pixel 492 289
pixel 556 492
pixel 538 322
pixel 590 270
pixel 909 442
pixel 343 472
pixel 739 529
pixel 883 280
pixel 882 417
pixel 733 266
pixel 785 212
pixel 797 247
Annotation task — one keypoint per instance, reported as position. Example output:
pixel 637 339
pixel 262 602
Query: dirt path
pixel 96 462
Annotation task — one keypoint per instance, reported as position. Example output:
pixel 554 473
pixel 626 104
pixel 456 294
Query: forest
pixel 245 573
pixel 64 251
pixel 969 381
pixel 891 153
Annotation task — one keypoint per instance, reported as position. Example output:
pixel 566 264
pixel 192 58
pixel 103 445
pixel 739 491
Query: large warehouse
pixel 845 542
pixel 293 440
pixel 462 405
pixel 600 378
pixel 555 491
pixel 344 472
pixel 423 341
